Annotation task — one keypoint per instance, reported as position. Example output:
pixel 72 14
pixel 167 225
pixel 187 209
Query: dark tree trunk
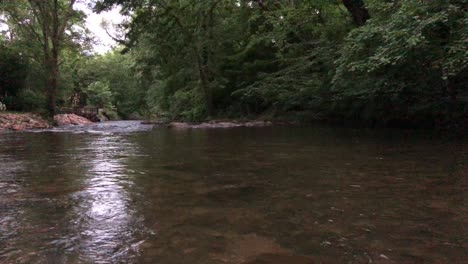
pixel 203 60
pixel 206 90
pixel 202 63
pixel 52 83
pixel 358 11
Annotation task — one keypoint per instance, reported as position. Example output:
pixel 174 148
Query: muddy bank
pixel 218 124
pixel 18 122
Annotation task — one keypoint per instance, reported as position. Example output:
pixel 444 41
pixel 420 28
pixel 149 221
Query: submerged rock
pixel 219 124
pixel 70 119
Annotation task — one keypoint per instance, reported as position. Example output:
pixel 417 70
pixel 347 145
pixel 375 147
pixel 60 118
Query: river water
pixel 120 192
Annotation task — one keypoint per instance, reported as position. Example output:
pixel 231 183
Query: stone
pixel 71 119
pixel 23 121
pixel 218 124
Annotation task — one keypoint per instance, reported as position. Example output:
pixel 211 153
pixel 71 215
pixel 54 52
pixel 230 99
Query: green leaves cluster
pixel 408 66
pixel 45 34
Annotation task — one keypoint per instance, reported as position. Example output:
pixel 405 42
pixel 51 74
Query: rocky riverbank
pixel 18 122
pixel 27 121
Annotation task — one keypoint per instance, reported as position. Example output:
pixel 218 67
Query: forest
pixel 372 62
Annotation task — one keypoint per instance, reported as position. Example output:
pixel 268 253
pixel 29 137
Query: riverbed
pixel 123 192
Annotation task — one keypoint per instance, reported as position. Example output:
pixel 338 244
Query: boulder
pixel 71 119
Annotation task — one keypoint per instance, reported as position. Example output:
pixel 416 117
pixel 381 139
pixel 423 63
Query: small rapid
pixel 103 128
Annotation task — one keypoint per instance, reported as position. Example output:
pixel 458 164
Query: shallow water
pixel 120 192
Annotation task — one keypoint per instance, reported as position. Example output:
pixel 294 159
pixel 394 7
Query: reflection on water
pixel 105 205
pixel 265 195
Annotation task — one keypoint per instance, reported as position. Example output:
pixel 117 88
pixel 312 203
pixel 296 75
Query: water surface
pixel 120 192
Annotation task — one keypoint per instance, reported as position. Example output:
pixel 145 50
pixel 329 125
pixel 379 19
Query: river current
pixel 122 192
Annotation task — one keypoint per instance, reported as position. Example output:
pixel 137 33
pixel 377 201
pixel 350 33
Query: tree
pixel 113 72
pixel 180 37
pixel 406 66
pixel 13 73
pixel 46 24
pixel 249 57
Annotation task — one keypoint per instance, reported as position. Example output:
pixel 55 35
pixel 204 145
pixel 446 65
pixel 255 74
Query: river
pixel 121 192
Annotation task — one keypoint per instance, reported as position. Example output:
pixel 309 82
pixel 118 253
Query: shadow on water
pixel 121 192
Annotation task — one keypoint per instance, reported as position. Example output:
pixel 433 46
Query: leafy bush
pixel 402 67
pixel 99 94
pixel 31 100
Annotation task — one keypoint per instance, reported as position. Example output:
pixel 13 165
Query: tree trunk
pixel 51 63
pixel 358 11
pixel 205 87
pixel 203 60
pixel 52 82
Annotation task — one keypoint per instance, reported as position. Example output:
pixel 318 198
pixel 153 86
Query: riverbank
pixel 27 121
pixel 22 121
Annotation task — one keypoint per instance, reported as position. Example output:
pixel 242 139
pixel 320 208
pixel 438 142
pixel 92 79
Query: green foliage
pixel 31 100
pixel 99 94
pixel 194 60
pixel 199 59
pixel 400 67
pixel 114 73
pixel 13 72
pixel 45 30
pixel 304 38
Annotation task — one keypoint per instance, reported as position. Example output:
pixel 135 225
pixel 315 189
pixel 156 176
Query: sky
pixel 93 23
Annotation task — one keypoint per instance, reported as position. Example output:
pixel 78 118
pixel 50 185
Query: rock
pixel 10 191
pixel 18 127
pixel 179 125
pixel 24 121
pixel 70 119
pixel 218 124
pixel 383 256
